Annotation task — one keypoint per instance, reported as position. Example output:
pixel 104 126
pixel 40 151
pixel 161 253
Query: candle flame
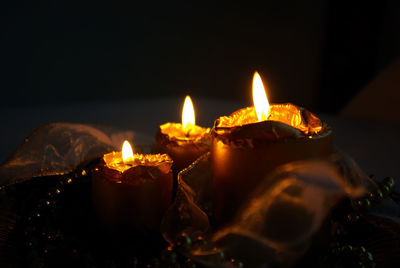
pixel 188 117
pixel 260 99
pixel 127 152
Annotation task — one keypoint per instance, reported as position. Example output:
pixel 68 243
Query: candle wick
pixel 129 162
pixel 187 133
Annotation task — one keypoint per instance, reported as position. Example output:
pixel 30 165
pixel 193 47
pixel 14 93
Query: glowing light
pixel 188 117
pixel 127 153
pixel 260 99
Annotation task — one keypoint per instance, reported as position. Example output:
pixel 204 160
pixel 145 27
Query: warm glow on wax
pixel 188 117
pixel 127 152
pixel 260 99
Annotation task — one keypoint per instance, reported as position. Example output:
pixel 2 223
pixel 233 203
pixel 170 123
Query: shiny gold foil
pixel 192 133
pixel 114 161
pixel 287 113
pixel 184 146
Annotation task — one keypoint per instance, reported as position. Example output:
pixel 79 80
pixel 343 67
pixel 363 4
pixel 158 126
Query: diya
pixel 183 142
pixel 252 141
pixel 131 192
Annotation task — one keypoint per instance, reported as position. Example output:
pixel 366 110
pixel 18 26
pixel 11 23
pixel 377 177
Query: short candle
pixel 131 192
pixel 183 142
pixel 252 141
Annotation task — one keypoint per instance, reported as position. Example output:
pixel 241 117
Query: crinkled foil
pixel 174 132
pixel 58 148
pixel 285 121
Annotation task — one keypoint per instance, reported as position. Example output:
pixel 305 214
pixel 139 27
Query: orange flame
pixel 188 116
pixel 260 99
pixel 127 153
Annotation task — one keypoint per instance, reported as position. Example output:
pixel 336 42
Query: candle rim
pixel 308 124
pixel 198 133
pixel 139 160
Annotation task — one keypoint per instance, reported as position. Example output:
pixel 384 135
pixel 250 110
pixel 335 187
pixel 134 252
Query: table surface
pixel 374 146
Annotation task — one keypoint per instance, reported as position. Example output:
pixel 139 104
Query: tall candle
pixel 253 141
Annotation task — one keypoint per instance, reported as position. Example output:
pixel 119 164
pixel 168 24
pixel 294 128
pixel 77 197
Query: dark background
pixel 316 54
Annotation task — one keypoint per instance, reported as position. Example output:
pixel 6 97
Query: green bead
pixel 389 181
pixel 199 242
pixel 184 242
pixel 240 264
pixel 364 203
pixel 221 255
pixel 237 263
pixel 340 230
pixel 189 264
pixel 347 248
pixel 376 196
pixel 156 263
pixel 352 218
pixel 370 256
pixel 385 190
pixel 168 255
pixel 335 250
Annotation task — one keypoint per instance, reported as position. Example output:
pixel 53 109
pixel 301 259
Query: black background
pixel 316 54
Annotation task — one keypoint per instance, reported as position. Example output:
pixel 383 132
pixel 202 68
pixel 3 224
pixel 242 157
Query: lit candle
pixel 131 192
pixel 185 142
pixel 252 141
